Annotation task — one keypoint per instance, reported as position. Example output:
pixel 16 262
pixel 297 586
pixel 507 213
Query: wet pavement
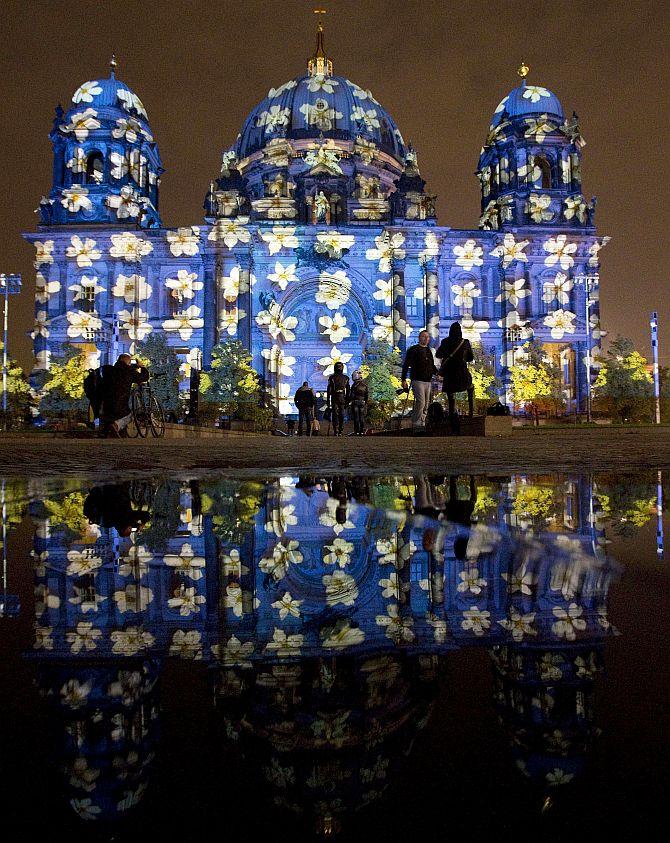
pixel 349 655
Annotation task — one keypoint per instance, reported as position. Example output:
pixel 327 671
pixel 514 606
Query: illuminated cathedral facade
pixel 318 236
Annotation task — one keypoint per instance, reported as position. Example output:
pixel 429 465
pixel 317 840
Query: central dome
pixel 319 105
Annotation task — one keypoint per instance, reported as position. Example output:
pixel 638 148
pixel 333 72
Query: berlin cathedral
pixel 319 235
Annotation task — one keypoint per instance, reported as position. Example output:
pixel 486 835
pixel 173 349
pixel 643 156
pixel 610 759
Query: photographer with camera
pixel 117 383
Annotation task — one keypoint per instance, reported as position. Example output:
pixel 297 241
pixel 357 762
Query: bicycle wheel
pixel 131 428
pixel 156 417
pixel 140 415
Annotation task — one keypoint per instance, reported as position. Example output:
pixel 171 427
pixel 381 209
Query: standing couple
pixel 455 352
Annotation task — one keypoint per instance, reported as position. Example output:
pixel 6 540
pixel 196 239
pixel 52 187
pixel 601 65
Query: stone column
pixel 431 299
pixel 398 307
pixel 245 302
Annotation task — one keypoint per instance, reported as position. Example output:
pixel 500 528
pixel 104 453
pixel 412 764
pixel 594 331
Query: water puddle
pixel 347 655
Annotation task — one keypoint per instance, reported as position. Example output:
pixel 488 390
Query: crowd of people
pixel 420 368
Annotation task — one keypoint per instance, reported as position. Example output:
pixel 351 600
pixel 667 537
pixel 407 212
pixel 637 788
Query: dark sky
pixel 440 68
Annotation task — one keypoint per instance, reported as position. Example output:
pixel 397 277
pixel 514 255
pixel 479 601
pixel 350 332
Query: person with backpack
pixel 420 364
pixel 337 397
pixel 305 400
pixel 359 403
pixel 117 385
pixel 455 352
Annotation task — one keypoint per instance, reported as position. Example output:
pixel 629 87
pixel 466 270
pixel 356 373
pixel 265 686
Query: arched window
pixel 545 170
pixel 94 168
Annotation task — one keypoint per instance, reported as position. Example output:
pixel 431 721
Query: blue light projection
pixel 322 622
pixel 319 234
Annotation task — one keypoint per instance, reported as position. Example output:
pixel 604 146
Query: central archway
pixel 331 324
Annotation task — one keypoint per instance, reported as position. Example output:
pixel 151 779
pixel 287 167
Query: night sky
pixel 440 69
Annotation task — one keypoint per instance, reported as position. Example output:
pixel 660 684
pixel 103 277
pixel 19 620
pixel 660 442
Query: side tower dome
pixel 107 166
pixel 530 165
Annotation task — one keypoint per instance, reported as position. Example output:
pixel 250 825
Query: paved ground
pixel 609 449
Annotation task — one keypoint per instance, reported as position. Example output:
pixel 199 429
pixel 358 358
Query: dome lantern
pixel 319 64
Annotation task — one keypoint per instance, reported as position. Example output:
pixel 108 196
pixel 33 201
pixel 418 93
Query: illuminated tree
pixel 231 381
pixel 624 386
pixel 161 359
pixel 19 394
pixel 380 368
pixel 61 387
pixel 536 380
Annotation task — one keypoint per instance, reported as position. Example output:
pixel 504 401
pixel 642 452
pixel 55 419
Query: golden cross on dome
pixel 523 70
pixel 319 64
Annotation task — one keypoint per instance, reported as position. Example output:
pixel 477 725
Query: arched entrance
pixel 329 323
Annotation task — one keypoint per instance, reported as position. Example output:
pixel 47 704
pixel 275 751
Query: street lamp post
pixel 589 282
pixel 9 284
pixel 653 323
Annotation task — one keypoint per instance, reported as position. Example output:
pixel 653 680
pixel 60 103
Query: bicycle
pixel 146 411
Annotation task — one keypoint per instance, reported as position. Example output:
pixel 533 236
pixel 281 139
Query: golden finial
pixel 523 70
pixel 113 63
pixel 319 65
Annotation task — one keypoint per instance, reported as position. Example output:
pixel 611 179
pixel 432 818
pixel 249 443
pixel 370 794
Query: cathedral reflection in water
pixel 323 611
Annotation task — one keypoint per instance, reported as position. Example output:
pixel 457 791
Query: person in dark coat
pixel 359 403
pixel 420 364
pixel 117 386
pixel 305 400
pixel 455 352
pixel 337 397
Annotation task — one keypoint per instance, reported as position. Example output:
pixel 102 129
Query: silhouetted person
pixel 420 364
pixel 110 506
pixel 337 397
pixel 118 382
pixel 459 511
pixel 455 352
pixel 359 403
pixel 305 400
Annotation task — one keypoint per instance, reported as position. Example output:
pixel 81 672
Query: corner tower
pixel 107 166
pixel 530 166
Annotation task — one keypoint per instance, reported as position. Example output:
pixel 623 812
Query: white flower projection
pixel 185 322
pixel 85 251
pixel 274 118
pixel 465 294
pixel 184 285
pixel 277 324
pixel 511 250
pixel 136 323
pixel 280 238
pixel 82 324
pixel 335 356
pixel 388 247
pixel 82 123
pixel 86 92
pixel 558 289
pixel 560 252
pixel 184 241
pixel 231 231
pixel 561 322
pixel 129 247
pixel 76 199
pixel 539 207
pixel 334 289
pixel 335 328
pixel 469 254
pixel 333 243
pixel 283 275
pixel 132 288
pixel 44 252
pixel 514 291
pixel 126 203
